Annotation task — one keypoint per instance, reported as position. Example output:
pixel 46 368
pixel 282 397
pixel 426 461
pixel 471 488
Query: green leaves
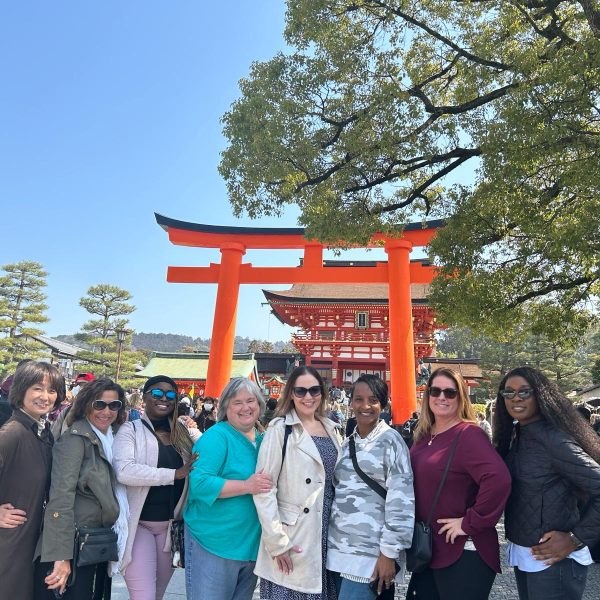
pixel 483 113
pixel 21 304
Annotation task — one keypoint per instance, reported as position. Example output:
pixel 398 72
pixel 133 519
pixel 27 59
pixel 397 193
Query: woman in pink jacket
pixel 152 457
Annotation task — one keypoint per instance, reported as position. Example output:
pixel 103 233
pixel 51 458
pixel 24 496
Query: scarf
pixel 120 526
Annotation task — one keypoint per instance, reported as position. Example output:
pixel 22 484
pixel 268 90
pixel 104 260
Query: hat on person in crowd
pixel 159 379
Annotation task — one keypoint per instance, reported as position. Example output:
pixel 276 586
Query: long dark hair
pixel 554 407
pixel 286 402
pixel 93 390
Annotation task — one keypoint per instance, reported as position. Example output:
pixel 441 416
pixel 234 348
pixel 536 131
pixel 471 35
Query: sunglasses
pixel 158 394
pixel 449 393
pixel 300 392
pixel 115 405
pixel 510 394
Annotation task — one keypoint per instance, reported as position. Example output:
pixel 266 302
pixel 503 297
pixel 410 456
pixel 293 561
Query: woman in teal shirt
pixel 222 528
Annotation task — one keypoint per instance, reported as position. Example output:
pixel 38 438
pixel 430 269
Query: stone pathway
pixel 504 586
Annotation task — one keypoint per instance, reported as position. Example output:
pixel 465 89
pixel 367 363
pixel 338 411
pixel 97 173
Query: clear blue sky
pixel 110 111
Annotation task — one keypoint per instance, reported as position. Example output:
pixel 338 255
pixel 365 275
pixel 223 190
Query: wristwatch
pixel 578 543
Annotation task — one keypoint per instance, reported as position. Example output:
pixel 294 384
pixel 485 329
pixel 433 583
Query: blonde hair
pixel 464 412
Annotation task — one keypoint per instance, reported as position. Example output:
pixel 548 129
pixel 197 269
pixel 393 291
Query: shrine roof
pixel 468 368
pixel 377 293
pixel 193 365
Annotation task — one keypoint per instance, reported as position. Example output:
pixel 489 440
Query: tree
pixel 484 113
pixel 21 305
pixel 110 304
pixel 254 346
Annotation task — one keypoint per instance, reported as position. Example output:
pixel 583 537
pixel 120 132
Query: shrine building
pixel 344 328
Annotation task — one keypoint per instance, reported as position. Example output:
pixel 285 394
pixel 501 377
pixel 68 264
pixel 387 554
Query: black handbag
pixel 418 556
pixel 94 545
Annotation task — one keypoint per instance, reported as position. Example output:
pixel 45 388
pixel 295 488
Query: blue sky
pixel 109 111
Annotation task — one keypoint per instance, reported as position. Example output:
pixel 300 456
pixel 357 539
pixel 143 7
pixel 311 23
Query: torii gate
pixel 233 242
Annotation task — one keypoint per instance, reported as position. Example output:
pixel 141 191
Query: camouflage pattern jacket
pixel 362 523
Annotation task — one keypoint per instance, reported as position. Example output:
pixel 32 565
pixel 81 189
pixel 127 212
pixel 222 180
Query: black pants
pixel 91 583
pixel 469 578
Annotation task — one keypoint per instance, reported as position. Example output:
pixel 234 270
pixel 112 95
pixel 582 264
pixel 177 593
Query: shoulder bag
pixel 418 556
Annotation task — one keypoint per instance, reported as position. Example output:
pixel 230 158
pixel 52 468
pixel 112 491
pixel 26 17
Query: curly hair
pixel 465 409
pixel 286 402
pixel 91 391
pixel 554 407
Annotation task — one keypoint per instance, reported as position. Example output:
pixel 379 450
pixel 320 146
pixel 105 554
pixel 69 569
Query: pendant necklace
pixel 433 436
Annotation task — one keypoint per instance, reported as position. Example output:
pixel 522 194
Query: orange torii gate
pixel 233 242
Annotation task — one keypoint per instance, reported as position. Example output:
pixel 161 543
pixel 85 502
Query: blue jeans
pixel 352 590
pixel 564 580
pixel 210 577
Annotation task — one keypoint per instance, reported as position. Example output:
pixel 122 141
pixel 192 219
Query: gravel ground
pixel 504 586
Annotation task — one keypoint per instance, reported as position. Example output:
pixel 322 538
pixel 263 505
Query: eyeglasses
pixel 449 393
pixel 300 392
pixel 158 394
pixel 510 394
pixel 115 405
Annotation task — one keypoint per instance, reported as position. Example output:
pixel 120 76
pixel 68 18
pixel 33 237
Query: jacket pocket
pixel 288 513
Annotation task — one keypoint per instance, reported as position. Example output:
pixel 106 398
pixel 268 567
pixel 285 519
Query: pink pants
pixel 149 572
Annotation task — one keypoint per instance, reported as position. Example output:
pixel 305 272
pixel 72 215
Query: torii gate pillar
pixel 402 349
pixel 223 332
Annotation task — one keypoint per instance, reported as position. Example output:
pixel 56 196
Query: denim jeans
pixel 352 590
pixel 210 577
pixel 564 580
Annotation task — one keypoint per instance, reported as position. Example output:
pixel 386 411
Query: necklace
pixel 434 435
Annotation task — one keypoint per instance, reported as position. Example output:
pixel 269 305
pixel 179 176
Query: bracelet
pixel 578 543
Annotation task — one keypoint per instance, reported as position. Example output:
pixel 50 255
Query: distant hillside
pixel 172 342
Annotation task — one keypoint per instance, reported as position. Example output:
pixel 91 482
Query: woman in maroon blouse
pixel 465 543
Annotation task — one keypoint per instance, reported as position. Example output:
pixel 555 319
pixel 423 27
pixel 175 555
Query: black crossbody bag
pixel 418 556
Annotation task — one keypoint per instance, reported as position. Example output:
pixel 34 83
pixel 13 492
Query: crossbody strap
pixel 286 435
pixel 379 489
pixel 376 487
pixel 443 480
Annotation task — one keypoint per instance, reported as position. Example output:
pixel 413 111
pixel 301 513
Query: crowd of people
pixel 236 497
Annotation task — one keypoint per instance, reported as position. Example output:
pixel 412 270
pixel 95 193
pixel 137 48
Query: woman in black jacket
pixel 552 517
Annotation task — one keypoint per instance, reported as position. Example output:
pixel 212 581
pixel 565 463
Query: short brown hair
pixel 30 373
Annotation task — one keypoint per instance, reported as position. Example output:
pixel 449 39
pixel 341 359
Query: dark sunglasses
pixel 115 405
pixel 449 393
pixel 158 394
pixel 510 394
pixel 300 392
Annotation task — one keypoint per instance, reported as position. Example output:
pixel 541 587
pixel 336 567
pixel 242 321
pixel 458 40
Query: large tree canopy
pixel 483 112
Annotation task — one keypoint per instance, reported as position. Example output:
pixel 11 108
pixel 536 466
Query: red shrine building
pixel 344 328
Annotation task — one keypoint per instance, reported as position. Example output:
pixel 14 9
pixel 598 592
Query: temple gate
pixel 233 242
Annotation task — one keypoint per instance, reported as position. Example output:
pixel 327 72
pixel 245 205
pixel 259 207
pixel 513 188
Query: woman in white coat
pixel 152 457
pixel 299 452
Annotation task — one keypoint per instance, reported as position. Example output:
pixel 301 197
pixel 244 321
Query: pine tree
pixel 21 305
pixel 110 303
